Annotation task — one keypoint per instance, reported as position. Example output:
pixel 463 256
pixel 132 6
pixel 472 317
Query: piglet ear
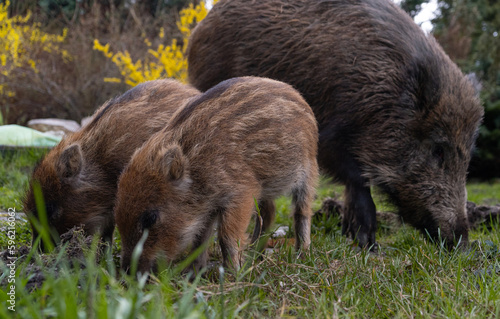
pixel 173 163
pixel 70 163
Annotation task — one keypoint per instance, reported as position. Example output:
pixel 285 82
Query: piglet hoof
pixel 209 272
pixel 192 274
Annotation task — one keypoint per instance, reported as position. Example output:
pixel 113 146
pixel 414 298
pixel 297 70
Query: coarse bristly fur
pixel 243 140
pixel 393 110
pixel 78 178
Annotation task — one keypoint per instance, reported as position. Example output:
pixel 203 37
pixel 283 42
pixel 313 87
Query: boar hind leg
pixel 359 217
pixel 233 224
pixel 264 218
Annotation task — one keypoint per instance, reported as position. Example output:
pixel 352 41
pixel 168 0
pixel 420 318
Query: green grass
pixel 484 193
pixel 15 168
pixel 409 277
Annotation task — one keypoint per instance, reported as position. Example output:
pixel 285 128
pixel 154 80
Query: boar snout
pixel 459 236
pixel 453 232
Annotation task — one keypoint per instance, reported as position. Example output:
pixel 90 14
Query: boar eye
pixel 438 153
pixel 148 218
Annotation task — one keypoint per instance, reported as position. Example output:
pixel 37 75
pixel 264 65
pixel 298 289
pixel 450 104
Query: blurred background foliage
pixel 164 61
pixel 109 45
pixel 74 88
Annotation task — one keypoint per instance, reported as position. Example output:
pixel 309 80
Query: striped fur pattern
pixel 245 139
pixel 79 176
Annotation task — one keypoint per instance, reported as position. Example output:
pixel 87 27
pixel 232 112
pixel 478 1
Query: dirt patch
pixel 77 244
pixel 74 246
pixel 477 214
pixel 333 207
pixel 18 254
pixel 330 207
pixel 483 214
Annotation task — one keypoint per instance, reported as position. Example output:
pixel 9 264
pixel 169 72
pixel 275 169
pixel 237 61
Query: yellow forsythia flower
pixel 19 44
pixel 168 61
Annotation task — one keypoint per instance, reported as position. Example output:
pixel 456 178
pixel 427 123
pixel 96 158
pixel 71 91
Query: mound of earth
pixel 477 214
pixel 73 245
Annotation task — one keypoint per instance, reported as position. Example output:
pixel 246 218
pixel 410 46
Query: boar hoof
pixel 365 239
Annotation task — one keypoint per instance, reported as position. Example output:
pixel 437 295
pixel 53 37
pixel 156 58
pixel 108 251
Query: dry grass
pixel 74 89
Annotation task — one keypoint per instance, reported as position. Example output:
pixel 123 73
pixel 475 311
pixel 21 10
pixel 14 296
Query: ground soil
pixel 74 244
pixel 478 214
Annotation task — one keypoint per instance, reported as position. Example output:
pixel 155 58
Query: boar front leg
pixel 359 217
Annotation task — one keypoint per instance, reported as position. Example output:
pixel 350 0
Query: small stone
pixel 281 231
pixel 86 120
pixel 44 125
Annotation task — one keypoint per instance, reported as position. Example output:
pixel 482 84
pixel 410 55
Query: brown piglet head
pixel 153 192
pixel 67 196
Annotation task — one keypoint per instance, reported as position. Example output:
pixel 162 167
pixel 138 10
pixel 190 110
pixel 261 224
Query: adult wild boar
pixel 243 140
pixel 79 177
pixel 393 110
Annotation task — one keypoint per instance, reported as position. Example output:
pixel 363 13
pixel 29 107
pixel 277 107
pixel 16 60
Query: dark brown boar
pixel 245 139
pixel 393 110
pixel 78 178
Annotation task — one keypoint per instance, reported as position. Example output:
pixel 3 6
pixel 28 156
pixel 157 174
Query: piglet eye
pixel 149 218
pixel 51 209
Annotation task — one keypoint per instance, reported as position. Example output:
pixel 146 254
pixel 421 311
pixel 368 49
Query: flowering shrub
pixel 164 61
pixel 21 43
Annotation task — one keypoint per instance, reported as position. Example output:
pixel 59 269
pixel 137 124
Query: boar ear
pixel 426 83
pixel 173 163
pixel 475 82
pixel 70 162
